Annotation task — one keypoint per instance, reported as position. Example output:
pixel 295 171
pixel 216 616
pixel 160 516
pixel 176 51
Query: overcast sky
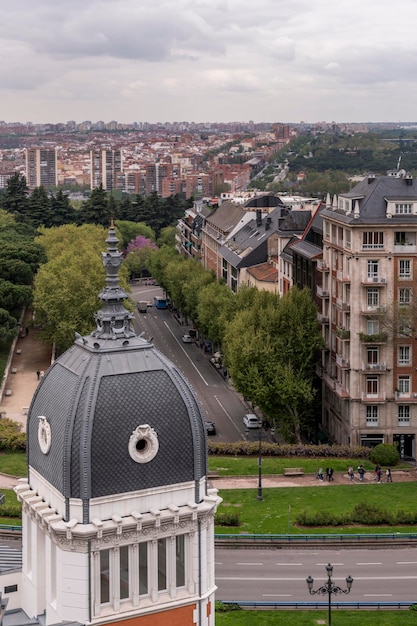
pixel 208 60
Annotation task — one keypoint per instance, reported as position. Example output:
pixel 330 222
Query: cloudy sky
pixel 208 60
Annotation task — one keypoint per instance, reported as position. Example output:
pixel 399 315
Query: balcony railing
pixel 377 338
pixel 322 292
pixel 323 318
pixel 405 397
pixel 374 280
pixel 381 396
pixel 342 305
pixel 341 362
pixel 374 310
pixel 322 265
pixel 342 333
pixel 374 367
pixel 341 277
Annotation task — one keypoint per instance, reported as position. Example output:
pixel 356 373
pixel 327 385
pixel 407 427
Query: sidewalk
pixel 30 355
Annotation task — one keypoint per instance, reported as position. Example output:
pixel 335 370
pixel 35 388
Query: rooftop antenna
pixel 399 163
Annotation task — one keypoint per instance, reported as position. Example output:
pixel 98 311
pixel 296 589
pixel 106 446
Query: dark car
pixel 210 428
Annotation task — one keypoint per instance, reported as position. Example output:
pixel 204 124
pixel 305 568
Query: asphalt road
pixel 280 575
pixel 220 402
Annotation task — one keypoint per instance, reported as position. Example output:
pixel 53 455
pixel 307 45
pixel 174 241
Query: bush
pixel 11 510
pixel 363 514
pixel 384 454
pixel 11 436
pixel 229 518
pixel 222 607
pixel 248 448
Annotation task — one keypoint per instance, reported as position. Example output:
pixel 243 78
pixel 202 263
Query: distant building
pixel 41 167
pixel 105 165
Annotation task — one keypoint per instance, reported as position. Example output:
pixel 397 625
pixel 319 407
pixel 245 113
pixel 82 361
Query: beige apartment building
pixel 367 290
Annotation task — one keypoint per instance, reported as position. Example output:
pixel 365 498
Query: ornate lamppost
pixel 329 587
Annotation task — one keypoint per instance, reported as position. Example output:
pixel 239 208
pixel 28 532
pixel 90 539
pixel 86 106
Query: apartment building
pixel 368 313
pixel 41 167
pixel 105 166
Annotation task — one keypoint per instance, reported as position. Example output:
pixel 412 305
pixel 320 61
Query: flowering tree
pixel 137 254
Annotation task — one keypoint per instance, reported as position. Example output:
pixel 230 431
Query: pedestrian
pixel 26 331
pixel 320 473
pixel 388 475
pixel 351 473
pixel 361 472
pixel 329 474
pixel 377 470
pixel 38 374
pixel 378 474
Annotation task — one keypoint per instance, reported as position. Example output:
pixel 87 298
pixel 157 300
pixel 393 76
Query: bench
pixel 293 471
pixel 14 370
pixel 25 410
pixel 8 392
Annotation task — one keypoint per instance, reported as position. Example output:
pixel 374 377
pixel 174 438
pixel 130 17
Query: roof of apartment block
pixel 226 217
pixel 372 195
pixel 264 272
pixel 294 222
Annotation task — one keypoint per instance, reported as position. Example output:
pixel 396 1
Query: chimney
pixel 258 217
pixel 409 180
pixel 371 178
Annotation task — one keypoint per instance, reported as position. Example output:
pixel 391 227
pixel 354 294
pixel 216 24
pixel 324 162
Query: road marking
pixel 186 354
pixel 249 563
pixel 277 595
pixel 226 412
pixel 369 563
pixel 378 595
pixel 289 564
pixel 406 562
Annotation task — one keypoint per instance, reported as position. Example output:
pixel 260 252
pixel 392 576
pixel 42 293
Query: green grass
pixel 13 463
pixel 276 513
pixel 312 618
pixel 247 466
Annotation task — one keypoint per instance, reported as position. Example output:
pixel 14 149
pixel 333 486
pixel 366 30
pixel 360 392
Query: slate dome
pixel 113 415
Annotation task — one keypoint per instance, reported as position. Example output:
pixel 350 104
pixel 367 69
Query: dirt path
pixel 307 480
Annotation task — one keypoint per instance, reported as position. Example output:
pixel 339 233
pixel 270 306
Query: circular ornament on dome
pixel 44 434
pixel 143 444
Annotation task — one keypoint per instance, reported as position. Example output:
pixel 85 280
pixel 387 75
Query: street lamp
pixel 259 496
pixel 329 587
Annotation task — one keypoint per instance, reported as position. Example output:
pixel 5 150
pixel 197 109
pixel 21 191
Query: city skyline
pixel 207 60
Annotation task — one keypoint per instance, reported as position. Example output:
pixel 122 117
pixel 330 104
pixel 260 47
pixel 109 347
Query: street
pixel 280 575
pixel 220 402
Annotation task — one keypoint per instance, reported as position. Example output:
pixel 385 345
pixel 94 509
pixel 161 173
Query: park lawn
pixel 248 465
pixel 276 513
pixel 312 618
pixel 10 498
pixel 13 463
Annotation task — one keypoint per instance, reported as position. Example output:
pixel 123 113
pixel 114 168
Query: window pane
pixel 124 572
pixel 143 569
pixel 162 564
pixel 104 576
pixel 180 560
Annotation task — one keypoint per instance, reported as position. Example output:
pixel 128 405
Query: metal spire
pixel 113 319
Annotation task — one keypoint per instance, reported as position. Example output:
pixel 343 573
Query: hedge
pixel 250 448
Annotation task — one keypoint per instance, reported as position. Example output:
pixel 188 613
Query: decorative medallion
pixel 143 444
pixel 44 434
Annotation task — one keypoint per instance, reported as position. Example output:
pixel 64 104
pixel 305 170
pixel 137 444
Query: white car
pixel 187 339
pixel 250 420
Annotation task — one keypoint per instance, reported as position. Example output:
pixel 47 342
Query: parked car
pixel 187 339
pixel 250 420
pixel 210 428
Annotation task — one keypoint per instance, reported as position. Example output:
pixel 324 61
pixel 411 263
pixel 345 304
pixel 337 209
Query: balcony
pixel 322 318
pixel 405 397
pixel 322 292
pixel 369 311
pixel 343 306
pixel 322 265
pixel 374 367
pixel 340 390
pixel 376 281
pixel 341 362
pixel 340 277
pixel 377 338
pixel 405 248
pixel 373 398
pixel 342 333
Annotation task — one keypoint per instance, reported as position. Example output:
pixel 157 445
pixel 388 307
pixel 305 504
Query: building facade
pixel 368 313
pixel 105 166
pixel 41 167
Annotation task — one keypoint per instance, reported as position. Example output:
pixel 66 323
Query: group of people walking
pixel 361 472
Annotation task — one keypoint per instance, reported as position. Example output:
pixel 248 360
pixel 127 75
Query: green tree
pixel 39 209
pixel 67 286
pixel 15 200
pixel 271 349
pixel 62 211
pixel 130 230
pixel 215 306
pixel 167 236
pixel 8 327
pixel 96 209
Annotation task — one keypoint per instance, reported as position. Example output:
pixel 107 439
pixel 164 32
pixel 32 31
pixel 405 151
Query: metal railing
pixel 245 604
